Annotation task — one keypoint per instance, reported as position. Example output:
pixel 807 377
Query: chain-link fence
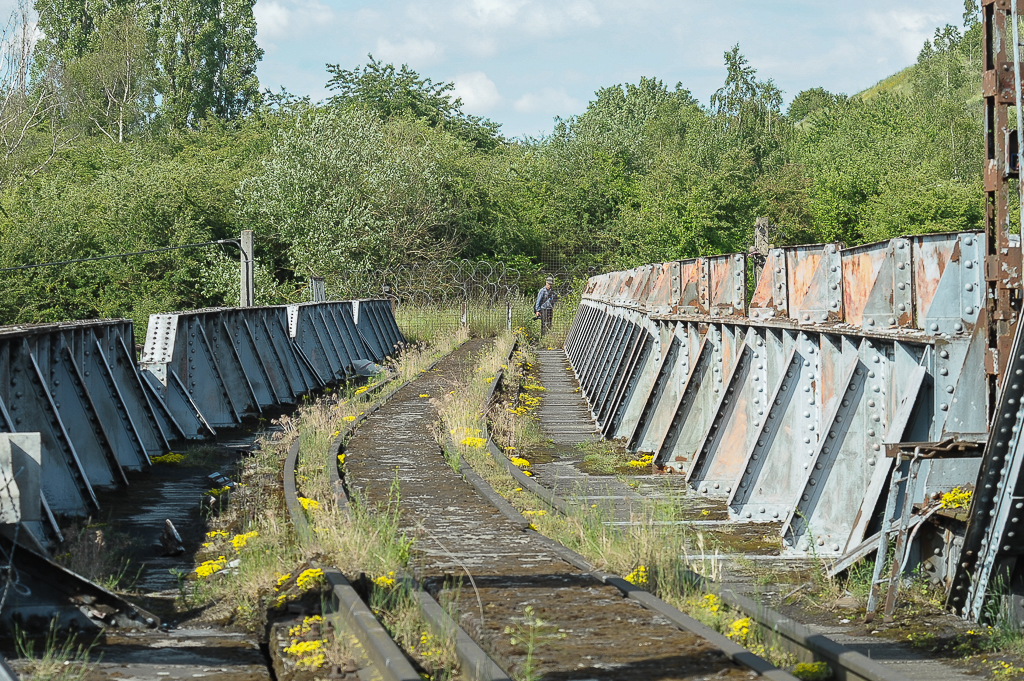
pixel 437 297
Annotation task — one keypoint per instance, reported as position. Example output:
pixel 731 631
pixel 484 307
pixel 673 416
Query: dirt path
pixel 590 630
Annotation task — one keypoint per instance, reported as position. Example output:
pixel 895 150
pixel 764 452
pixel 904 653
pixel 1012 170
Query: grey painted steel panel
pixel 98 415
pixel 789 406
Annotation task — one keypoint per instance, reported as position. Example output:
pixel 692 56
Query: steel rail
pixel 735 652
pixel 476 664
pixel 387 657
pixel 847 664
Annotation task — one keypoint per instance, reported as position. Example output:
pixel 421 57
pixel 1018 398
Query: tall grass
pixel 427 323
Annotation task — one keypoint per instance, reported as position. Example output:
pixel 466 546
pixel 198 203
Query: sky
pixel 524 62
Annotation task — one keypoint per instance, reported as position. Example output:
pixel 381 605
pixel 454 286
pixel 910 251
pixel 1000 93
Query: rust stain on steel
pixel 638 287
pixel 728 342
pixel 860 272
pixel 929 262
pixel 660 294
pixel 722 278
pixel 727 464
pixel 764 298
pixel 689 284
pixel 832 369
pixel 802 264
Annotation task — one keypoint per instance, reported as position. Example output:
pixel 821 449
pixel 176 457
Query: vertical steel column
pixel 1002 264
pixel 1003 295
pixel 248 283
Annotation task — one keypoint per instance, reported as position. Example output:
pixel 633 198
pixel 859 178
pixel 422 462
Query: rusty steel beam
pixel 784 406
pixel 983 558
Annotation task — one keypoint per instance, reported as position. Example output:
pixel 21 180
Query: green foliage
pixel 402 92
pixel 348 191
pixel 815 101
pixel 208 54
pixel 114 84
pixel 101 198
pixel 181 148
pixel 200 56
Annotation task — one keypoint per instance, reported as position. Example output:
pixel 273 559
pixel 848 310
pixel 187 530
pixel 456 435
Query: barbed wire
pixel 447 282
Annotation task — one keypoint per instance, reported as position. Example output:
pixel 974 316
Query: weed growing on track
pixel 530 632
pixel 367 539
pixel 255 530
pixel 98 554
pixel 460 408
pixel 61 659
pixel 644 547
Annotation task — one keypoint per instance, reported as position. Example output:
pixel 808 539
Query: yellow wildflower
pixel 710 603
pixel 208 567
pixel 309 578
pixel 239 540
pixel 739 629
pixel 956 498
pixel 169 457
pixel 638 577
pixel 385 581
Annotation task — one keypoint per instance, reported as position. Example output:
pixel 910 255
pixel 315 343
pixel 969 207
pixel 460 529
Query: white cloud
pixel 409 51
pixel 271 19
pixel 904 29
pixel 535 18
pixel 548 101
pixel 479 94
pixel 284 19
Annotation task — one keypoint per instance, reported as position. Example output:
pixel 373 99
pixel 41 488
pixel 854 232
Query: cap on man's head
pixel 549 280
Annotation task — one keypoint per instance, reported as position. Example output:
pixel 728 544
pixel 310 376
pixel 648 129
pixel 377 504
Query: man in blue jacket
pixel 545 305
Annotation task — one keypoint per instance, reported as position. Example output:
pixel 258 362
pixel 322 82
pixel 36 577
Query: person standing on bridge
pixel 545 306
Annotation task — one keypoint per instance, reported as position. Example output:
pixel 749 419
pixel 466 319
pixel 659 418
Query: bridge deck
pixel 460 532
pixel 564 414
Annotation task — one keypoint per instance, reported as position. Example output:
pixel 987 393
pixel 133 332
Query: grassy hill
pixel 899 82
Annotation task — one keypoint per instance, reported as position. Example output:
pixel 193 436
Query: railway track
pixel 378 654
pixel 475 550
pixel 564 493
pixel 505 581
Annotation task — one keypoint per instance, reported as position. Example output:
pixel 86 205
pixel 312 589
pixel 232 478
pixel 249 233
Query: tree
pixel 811 102
pixel 207 53
pixel 69 26
pixel 620 118
pixel 740 84
pixel 114 83
pixel 346 190
pixel 32 131
pixel 392 93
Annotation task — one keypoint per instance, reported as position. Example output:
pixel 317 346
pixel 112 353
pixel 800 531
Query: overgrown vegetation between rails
pixel 253 568
pixel 424 324
pixel 646 553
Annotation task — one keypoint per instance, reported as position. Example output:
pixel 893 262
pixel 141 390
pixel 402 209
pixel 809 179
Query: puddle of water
pixel 163 492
